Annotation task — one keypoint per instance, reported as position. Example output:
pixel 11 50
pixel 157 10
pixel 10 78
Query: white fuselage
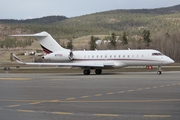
pixel 116 58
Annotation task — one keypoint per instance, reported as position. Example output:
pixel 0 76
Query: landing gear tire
pixel 5 68
pixel 159 72
pixel 87 72
pixel 98 71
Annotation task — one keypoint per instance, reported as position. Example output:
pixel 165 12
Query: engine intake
pixel 60 56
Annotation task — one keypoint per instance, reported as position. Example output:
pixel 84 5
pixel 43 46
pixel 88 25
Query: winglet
pixel 17 59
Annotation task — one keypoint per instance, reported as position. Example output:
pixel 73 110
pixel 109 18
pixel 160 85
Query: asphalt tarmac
pixel 73 96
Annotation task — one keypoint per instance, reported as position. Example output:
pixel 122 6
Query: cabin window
pixel 114 56
pixel 110 56
pixel 105 56
pixel 123 56
pixel 92 56
pixel 119 56
pixel 101 56
pixel 97 56
pixel 88 56
pixel 128 56
pixel 85 56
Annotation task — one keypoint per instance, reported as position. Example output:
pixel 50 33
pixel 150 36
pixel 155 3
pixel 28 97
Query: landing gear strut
pixel 87 72
pixel 159 70
pixel 98 71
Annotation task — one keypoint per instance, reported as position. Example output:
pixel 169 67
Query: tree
pixel 1 44
pixel 11 57
pixel 70 45
pixel 124 38
pixel 113 39
pixel 92 43
pixel 146 37
pixel 63 45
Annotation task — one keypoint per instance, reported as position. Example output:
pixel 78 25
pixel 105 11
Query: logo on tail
pixel 46 50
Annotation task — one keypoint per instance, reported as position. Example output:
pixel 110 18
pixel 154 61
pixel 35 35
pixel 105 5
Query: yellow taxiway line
pixel 15 78
pixel 62 113
pixel 88 101
pixel 158 116
pixel 13 106
pixel 106 115
pixel 28 111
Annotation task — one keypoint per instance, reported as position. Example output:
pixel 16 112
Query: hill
pixel 156 11
pixel 165 19
pixel 43 20
pixel 159 19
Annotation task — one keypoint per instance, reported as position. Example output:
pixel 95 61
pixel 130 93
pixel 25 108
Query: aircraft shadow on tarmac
pixel 109 73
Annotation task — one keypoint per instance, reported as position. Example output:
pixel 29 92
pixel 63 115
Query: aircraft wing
pixel 60 64
pixel 66 64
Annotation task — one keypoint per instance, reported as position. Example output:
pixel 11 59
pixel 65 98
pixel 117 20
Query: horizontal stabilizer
pixel 17 59
pixel 42 34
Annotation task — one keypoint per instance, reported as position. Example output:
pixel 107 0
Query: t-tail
pixel 48 44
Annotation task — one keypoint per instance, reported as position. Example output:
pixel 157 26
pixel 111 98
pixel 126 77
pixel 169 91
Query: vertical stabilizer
pixel 46 41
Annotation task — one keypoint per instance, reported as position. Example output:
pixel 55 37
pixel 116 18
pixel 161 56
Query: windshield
pixel 157 54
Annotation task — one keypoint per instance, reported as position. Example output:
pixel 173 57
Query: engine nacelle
pixel 59 56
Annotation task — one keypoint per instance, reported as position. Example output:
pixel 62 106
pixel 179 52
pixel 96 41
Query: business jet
pixel 96 59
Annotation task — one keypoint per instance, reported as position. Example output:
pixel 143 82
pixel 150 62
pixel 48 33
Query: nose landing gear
pixel 159 70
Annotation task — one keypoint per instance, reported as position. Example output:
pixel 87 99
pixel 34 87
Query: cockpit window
pixel 157 54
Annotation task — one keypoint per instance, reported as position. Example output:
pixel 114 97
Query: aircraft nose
pixel 172 61
pixel 168 60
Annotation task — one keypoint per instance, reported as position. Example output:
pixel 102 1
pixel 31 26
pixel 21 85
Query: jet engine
pixel 59 56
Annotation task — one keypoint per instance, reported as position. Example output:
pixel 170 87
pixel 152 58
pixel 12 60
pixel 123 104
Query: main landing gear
pixel 88 71
pixel 159 70
pixel 98 71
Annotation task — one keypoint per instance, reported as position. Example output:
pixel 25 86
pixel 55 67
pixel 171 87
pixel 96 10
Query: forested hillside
pixel 43 20
pixel 162 19
pixel 161 24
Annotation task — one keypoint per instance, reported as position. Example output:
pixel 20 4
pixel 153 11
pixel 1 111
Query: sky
pixel 28 9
